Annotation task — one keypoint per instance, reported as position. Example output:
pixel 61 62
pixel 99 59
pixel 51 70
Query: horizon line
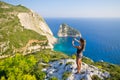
pixel 86 17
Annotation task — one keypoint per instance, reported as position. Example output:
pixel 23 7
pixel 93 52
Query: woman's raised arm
pixel 74 45
pixel 76 40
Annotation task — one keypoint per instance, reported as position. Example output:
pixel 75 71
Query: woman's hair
pixel 81 40
pixel 83 43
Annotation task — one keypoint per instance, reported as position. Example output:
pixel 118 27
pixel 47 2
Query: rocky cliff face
pixel 22 30
pixel 66 31
pixel 36 23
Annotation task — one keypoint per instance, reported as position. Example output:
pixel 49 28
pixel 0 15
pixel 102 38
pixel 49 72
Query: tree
pixel 16 67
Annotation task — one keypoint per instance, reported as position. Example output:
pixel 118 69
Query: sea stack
pixel 67 31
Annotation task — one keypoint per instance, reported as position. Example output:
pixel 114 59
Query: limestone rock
pixel 36 23
pixel 66 31
pixel 58 68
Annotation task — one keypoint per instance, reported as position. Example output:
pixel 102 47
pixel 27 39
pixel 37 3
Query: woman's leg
pixel 78 62
pixel 79 65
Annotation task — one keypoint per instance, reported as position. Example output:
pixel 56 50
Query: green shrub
pixel 60 63
pixel 87 60
pixel 95 77
pixel 28 77
pixel 114 70
pixel 15 67
pixel 66 75
pixel 69 63
pixel 2 78
pixel 100 67
pixel 73 56
pixel 40 75
pixel 53 78
pixel 47 55
pixel 44 57
pixel 21 8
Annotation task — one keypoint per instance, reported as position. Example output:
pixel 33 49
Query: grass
pixel 5 8
pixel 87 60
pixel 114 70
pixel 23 37
pixel 11 29
pixel 47 55
pixel 40 56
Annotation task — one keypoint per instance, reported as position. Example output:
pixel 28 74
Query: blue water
pixel 102 37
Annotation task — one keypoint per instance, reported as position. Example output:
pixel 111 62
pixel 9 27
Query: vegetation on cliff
pixel 66 31
pixel 28 67
pixel 13 34
pixel 113 69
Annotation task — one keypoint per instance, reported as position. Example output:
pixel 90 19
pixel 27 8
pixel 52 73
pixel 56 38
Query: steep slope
pixel 66 31
pixel 34 22
pixel 21 28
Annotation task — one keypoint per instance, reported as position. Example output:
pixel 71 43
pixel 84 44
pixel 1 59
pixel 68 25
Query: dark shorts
pixel 79 56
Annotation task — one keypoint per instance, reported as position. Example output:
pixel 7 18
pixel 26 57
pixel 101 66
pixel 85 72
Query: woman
pixel 79 55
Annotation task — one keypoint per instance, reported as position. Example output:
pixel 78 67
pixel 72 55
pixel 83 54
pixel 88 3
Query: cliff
pixel 36 23
pixel 66 31
pixel 22 30
pixel 66 68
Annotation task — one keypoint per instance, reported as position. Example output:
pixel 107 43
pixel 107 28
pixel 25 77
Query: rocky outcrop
pixel 66 31
pixel 30 48
pixel 19 25
pixel 36 23
pixel 58 69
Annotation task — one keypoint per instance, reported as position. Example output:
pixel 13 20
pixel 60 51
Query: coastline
pixel 101 36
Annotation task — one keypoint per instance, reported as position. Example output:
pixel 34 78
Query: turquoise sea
pixel 102 37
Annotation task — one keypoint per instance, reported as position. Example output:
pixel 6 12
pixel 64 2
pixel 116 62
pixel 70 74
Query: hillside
pixel 20 28
pixel 23 32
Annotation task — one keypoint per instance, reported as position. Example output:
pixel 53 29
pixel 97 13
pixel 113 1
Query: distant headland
pixel 67 31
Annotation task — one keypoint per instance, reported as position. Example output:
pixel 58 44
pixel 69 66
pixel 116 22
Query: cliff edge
pixel 36 23
pixel 22 30
pixel 66 68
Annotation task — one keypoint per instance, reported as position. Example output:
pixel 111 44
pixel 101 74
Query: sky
pixel 72 8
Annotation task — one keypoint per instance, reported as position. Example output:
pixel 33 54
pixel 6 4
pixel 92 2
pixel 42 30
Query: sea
pixel 102 37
